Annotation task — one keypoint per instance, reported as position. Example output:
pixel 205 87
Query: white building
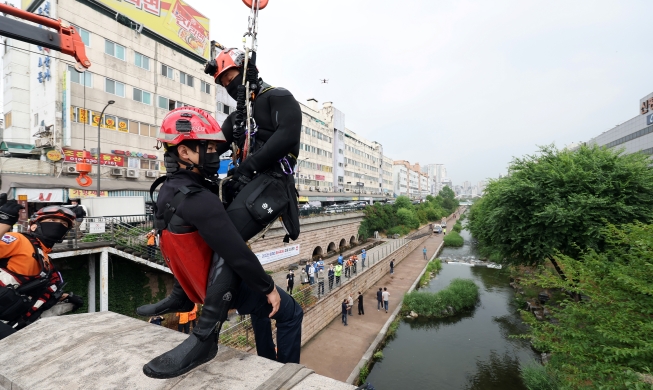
pixel 634 135
pixel 144 67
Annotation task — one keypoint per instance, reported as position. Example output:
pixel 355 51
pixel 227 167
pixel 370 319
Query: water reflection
pixel 472 350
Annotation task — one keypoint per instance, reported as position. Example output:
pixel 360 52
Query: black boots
pixel 177 301
pixel 202 345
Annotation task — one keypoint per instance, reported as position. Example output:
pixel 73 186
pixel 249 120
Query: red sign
pixel 77 156
pixel 134 154
pixel 319 177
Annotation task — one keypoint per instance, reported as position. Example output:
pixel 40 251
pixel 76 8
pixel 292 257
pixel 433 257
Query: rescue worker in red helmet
pixel 29 283
pixel 274 144
pixel 208 256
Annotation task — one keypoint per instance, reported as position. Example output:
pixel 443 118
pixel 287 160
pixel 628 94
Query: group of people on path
pixel 348 304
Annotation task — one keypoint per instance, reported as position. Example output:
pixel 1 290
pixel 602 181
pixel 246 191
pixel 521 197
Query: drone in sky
pixel 324 81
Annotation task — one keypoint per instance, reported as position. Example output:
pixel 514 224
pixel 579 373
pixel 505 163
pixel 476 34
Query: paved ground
pixel 337 349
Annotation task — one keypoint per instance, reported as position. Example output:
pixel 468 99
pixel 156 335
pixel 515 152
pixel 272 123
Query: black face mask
pixel 210 165
pixel 49 233
pixel 232 87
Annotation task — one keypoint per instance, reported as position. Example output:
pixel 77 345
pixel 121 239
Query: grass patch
pixel 362 375
pixel 536 377
pixel 453 239
pixel 458 227
pixel 460 295
pixel 433 266
pixel 378 355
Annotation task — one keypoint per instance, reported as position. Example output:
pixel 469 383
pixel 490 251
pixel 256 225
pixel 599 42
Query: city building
pixel 407 179
pixel 146 57
pixel 438 175
pixel 634 135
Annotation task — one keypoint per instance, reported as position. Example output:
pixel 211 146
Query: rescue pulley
pixel 84 168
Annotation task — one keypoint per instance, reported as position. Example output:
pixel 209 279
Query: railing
pixel 306 212
pixel 127 232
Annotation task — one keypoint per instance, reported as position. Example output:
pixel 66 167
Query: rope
pixel 220 186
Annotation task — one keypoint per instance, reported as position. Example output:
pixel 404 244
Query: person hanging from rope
pixel 30 286
pixel 207 254
pixel 270 151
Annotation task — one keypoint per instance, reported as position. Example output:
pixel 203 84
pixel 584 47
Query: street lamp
pixel 110 102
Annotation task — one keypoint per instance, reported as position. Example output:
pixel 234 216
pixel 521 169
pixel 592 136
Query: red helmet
pixel 227 59
pixel 189 123
pixel 57 212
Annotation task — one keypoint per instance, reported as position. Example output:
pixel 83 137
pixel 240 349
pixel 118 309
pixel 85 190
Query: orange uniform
pixel 192 315
pixel 150 238
pixel 183 318
pixel 19 252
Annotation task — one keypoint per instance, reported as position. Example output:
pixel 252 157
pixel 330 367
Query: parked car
pixel 437 229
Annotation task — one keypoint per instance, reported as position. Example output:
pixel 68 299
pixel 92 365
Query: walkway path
pixel 336 350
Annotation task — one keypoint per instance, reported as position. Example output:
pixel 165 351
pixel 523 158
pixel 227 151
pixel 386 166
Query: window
pixel 80 115
pixel 110 122
pixel 114 49
pixel 141 61
pixel 85 35
pixel 169 104
pixel 167 71
pixel 133 162
pixel 226 109
pixel 115 87
pixel 206 87
pixel 186 79
pixel 142 96
pixel 85 78
pixel 36 119
pixel 133 129
pixel 149 165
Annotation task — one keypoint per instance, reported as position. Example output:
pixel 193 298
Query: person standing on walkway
pixel 320 281
pixel 338 273
pixel 386 298
pixel 320 264
pixel 340 259
pixel 350 303
pixel 424 251
pixel 354 260
pixel 363 257
pixel 290 281
pixel 392 266
pixel 331 276
pixel 183 325
pixel 379 299
pixel 344 311
pixel 311 275
pixel 444 231
pixel 360 304
pixel 151 244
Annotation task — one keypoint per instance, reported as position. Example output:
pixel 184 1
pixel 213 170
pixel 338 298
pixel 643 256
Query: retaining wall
pixel 325 310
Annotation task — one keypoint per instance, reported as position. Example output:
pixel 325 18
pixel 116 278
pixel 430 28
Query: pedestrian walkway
pixel 336 350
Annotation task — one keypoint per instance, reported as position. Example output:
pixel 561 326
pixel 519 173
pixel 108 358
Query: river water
pixel 471 350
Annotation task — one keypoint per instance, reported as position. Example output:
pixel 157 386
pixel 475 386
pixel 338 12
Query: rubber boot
pixel 202 344
pixel 177 301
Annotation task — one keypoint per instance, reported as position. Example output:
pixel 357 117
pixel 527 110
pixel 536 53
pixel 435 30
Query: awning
pixel 66 181
pixel 16 148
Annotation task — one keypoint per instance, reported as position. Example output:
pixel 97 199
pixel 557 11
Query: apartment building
pixel 144 58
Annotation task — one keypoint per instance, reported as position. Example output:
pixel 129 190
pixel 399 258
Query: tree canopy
pixel 603 341
pixel 559 200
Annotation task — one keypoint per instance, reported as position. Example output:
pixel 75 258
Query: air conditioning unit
pixel 70 169
pixel 132 173
pixel 151 174
pixel 42 142
pixel 116 172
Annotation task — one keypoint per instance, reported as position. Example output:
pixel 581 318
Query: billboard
pixel 174 20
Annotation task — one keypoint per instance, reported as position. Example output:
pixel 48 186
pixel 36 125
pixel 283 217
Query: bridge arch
pixel 317 251
pixel 352 241
pixel 331 247
pixel 343 244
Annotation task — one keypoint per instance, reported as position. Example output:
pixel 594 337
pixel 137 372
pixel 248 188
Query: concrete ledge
pixel 367 356
pixel 107 351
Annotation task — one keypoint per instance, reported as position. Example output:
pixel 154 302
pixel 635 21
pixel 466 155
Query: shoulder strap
pixel 37 252
pixel 182 193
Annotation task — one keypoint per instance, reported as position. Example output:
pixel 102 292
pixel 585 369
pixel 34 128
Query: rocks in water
pixel 546 312
pixel 545 358
pixel 413 314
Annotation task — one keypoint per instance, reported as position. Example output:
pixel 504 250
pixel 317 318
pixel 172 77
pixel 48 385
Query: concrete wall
pixel 319 316
pixel 319 231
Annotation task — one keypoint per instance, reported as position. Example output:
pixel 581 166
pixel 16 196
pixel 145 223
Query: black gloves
pixel 241 176
pixel 76 300
pixel 9 210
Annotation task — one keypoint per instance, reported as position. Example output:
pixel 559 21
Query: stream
pixel 471 350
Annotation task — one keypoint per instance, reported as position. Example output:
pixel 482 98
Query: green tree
pixel 403 202
pixel 559 200
pixel 604 340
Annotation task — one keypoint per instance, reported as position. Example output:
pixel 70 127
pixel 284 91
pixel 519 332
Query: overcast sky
pixel 469 84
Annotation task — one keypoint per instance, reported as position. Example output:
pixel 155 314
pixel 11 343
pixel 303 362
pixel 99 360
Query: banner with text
pixel 278 254
pixel 41 195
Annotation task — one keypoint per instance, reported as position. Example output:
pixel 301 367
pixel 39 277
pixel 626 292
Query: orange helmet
pixel 227 59
pixel 189 123
pixel 57 212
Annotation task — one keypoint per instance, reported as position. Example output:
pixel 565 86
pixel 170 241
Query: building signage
pixel 40 195
pixel 65 102
pixel 649 119
pixel 96 227
pixel 134 154
pixel 278 254
pixel 77 156
pixel 319 177
pixel 53 155
pixel 174 20
pixel 303 199
pixel 646 105
pixel 78 194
